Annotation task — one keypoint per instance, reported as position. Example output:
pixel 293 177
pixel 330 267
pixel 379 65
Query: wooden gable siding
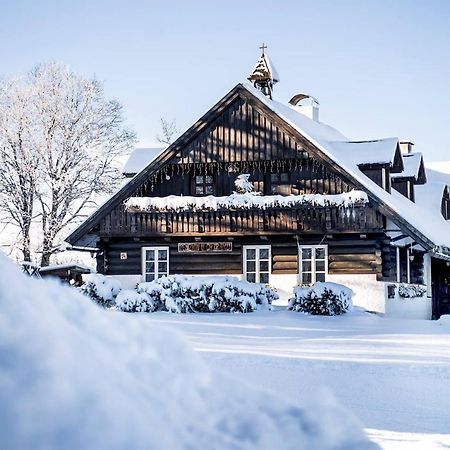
pixel 246 140
pixel 241 133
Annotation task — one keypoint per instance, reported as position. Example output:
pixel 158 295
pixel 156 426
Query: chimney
pixel 306 105
pixel 406 147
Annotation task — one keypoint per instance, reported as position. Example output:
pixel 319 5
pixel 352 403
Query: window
pixel 257 263
pixel 155 262
pixel 403 265
pixel 204 185
pixel 313 264
pixel 279 183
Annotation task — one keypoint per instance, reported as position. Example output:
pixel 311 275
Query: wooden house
pixel 328 208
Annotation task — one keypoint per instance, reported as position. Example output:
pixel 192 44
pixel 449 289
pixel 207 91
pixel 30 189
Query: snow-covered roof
pixel 438 172
pixel 272 69
pixel 429 197
pixel 76 266
pixel 411 166
pixel 379 151
pixel 334 145
pixel 139 159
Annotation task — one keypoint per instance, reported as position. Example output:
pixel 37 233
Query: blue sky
pixel 378 68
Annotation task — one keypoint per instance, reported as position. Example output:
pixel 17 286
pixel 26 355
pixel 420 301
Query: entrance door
pixel 440 275
pixel 257 263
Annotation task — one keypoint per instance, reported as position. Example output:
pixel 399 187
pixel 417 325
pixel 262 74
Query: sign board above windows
pixel 205 247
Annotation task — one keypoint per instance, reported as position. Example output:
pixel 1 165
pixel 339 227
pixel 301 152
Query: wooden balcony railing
pixel 302 219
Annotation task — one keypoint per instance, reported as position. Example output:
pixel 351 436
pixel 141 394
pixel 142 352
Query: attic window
pixel 445 208
pixel 279 183
pixel 204 185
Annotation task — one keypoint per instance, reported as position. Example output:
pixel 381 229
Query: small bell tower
pixel 264 75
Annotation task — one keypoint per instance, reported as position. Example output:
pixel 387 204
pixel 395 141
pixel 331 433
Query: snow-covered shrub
pixel 183 294
pixel 411 290
pixel 129 300
pixel 324 299
pixel 101 289
pixel 153 291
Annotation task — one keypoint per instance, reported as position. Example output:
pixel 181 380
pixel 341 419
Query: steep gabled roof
pixel 323 141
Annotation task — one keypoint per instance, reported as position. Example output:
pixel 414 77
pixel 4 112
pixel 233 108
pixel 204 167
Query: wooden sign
pixel 205 247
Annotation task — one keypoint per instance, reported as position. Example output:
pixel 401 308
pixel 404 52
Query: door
pixel 440 277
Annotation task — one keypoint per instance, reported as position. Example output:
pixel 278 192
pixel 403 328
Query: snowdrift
pixel 73 376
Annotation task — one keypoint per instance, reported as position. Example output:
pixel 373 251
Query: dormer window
pixel 204 185
pixel 445 205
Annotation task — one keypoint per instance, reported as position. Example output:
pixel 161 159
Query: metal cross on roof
pixel 263 47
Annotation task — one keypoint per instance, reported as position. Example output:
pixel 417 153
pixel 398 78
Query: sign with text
pixel 205 247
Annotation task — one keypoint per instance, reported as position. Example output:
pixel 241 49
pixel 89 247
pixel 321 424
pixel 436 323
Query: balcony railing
pixel 301 219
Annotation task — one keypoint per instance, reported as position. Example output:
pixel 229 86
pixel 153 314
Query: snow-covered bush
pixel 73 377
pixel 129 300
pixel 411 290
pixel 324 299
pixel 103 290
pixel 153 290
pixel 184 294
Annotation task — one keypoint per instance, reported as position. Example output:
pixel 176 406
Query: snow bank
pixel 325 299
pixel 444 320
pixel 243 201
pixel 75 377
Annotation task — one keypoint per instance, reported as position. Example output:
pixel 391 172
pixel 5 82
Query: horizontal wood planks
pixel 342 255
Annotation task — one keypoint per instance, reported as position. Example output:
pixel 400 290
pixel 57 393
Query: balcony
pixel 231 222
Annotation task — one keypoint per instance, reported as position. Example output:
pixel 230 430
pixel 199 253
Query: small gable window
pixel 204 185
pixel 445 206
pixel 279 184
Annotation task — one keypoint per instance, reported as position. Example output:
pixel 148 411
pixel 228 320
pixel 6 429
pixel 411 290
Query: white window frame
pixel 398 265
pixel 144 260
pixel 313 262
pixel 257 268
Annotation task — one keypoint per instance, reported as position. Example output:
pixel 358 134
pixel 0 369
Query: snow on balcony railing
pixel 242 201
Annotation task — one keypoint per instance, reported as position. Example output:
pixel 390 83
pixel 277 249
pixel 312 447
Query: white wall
pixel 368 292
pixel 284 284
pixel 409 308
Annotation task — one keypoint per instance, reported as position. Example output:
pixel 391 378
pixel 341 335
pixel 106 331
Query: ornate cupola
pixel 264 75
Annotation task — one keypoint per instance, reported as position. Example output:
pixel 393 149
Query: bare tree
pixel 18 159
pixel 77 134
pixel 168 131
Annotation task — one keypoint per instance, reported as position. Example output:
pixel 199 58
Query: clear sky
pixel 379 68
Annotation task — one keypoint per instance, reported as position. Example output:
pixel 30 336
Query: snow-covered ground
pixel 74 376
pixel 392 374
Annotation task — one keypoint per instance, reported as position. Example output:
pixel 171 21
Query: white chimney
pixel 306 105
pixel 406 147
